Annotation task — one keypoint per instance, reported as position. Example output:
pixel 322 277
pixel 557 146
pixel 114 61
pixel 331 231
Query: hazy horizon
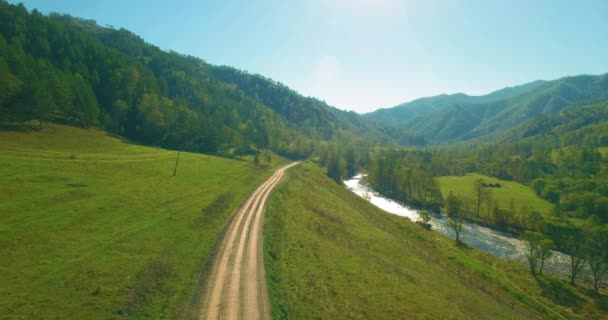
pixel 364 55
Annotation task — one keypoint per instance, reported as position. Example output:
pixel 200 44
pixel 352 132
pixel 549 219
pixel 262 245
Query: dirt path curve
pixel 237 286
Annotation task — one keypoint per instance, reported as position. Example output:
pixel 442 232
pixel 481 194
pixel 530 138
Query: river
pixel 498 243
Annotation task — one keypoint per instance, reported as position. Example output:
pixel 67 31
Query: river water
pixel 498 243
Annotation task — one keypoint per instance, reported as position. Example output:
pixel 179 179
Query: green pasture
pixel 92 227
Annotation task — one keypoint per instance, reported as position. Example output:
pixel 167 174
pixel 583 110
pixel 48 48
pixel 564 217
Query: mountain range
pixel 460 117
pixel 64 69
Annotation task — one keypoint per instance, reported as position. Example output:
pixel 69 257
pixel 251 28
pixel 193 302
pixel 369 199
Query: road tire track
pixel 236 288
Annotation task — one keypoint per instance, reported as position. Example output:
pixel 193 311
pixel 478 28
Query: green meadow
pixel 97 228
pixel 509 193
pixel 329 254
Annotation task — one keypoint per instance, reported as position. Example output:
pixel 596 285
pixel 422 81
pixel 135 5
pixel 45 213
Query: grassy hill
pixel 330 254
pixel 92 227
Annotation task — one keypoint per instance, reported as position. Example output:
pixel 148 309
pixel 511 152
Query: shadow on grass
pixel 20 127
pixel 149 281
pixel 559 292
pixel 601 300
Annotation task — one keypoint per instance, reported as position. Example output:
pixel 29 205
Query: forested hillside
pixel 319 119
pixel 63 69
pixel 581 125
pixel 464 118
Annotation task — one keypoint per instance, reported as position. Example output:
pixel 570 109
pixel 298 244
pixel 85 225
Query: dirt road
pixel 237 286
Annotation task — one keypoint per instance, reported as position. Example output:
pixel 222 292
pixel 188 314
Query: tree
pixel 551 194
pixel 10 86
pixel 490 204
pixel 575 245
pixel 500 217
pixel 350 158
pixel 44 104
pixel 533 250
pixel 538 185
pixel 335 167
pixel 597 254
pixel 546 252
pixel 425 217
pixel 85 110
pixel 453 208
pixel 601 207
pixel 534 220
pixel 150 119
pixel 482 194
pixel 119 110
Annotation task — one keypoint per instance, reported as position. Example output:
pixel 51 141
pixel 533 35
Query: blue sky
pixel 365 54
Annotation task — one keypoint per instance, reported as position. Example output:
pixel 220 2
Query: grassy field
pixel 603 151
pixel 92 227
pixel 332 255
pixel 509 191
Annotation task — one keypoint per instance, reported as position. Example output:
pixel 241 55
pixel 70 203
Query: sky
pixel 362 55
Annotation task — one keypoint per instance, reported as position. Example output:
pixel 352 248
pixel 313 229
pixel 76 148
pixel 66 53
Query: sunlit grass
pixel 507 195
pixel 330 254
pixel 94 228
pixel 326 260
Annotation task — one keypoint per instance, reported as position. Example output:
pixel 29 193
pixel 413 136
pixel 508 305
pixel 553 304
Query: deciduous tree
pixel 597 254
pixel 453 208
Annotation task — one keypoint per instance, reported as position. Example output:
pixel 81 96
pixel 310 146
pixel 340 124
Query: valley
pixel 349 259
pixel 139 182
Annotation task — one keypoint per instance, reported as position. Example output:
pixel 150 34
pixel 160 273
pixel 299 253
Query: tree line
pixel 405 176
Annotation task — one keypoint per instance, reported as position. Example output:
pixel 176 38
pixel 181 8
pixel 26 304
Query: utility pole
pixel 176 162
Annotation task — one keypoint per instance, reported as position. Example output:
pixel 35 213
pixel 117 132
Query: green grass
pixel 324 260
pixel 332 255
pixel 509 192
pixel 92 227
pixel 603 151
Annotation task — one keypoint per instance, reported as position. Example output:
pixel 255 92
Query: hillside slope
pixel 329 119
pixel 69 70
pixel 581 125
pixel 92 227
pixel 343 267
pixel 331 254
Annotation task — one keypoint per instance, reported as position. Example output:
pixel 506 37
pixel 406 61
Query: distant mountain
pixel 410 112
pixel 69 70
pixel 459 117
